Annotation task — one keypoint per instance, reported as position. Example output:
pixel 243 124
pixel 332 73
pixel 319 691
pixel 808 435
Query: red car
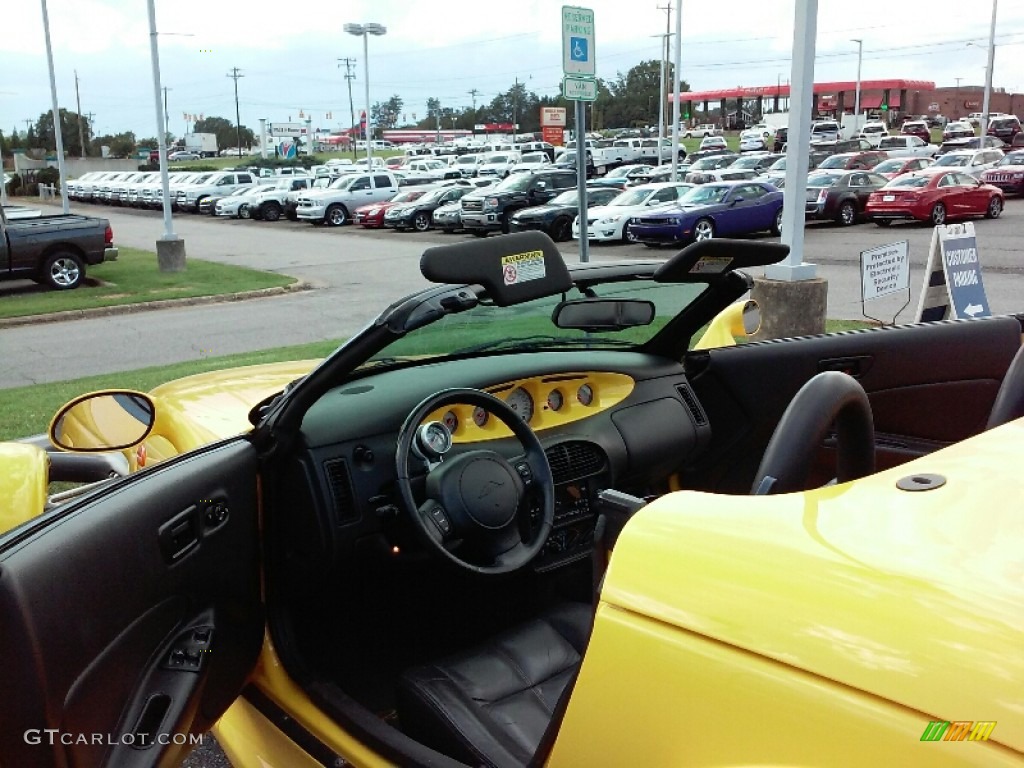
pixel 897 166
pixel 934 197
pixel 372 216
pixel 1007 174
pixel 853 161
pixel 917 128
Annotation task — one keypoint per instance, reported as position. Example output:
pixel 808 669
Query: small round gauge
pixel 480 416
pixel 555 400
pixel 434 439
pixel 519 400
pixel 585 394
pixel 451 421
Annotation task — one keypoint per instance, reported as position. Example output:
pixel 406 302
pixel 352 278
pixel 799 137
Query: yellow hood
pixel 915 597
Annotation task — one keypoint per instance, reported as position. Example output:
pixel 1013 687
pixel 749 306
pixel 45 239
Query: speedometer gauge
pixel 585 394
pixel 520 401
pixel 451 421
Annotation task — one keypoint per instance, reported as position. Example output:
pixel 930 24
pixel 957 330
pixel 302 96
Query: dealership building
pixel 897 97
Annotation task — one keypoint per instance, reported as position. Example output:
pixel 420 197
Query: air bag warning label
pixel 523 267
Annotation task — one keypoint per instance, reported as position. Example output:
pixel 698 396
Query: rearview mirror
pixel 603 314
pixel 103 421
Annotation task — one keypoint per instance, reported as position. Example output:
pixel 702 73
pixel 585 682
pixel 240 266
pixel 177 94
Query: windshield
pixel 952 161
pixel 704 195
pixel 529 326
pixel 1014 158
pixel 909 181
pixel 708 163
pixel 746 162
pixel 409 196
pixel 635 196
pixel 518 182
pixel 823 179
pixel 836 161
pixel 569 197
pixel 779 165
pixel 496 159
pixel 889 166
pixel 534 157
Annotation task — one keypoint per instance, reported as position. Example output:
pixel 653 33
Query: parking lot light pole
pixel 57 132
pixel 856 97
pixel 364 30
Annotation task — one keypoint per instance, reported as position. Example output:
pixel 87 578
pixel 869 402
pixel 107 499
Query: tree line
pixel 629 100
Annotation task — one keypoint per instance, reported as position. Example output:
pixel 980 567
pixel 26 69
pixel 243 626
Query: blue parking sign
pixel 578 49
pixel 963 276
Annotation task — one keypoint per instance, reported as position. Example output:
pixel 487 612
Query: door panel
pixel 116 624
pixel 928 386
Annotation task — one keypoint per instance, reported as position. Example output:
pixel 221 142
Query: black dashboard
pixel 344 479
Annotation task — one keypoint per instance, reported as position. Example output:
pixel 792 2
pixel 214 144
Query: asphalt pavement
pixel 356 273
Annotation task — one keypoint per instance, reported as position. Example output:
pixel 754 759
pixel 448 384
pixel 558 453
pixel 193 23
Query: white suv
pixel 219 184
pixel 335 204
pixel 703 131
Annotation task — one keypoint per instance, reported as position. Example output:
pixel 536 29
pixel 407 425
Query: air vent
pixel 341 490
pixel 699 417
pixel 573 460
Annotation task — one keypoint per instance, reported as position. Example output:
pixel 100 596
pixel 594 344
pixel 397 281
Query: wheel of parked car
pixel 244 212
pixel 995 207
pixel 777 226
pixel 421 221
pixel 938 216
pixel 270 211
pixel 336 215
pixel 847 214
pixel 480 232
pixel 199 201
pixel 63 270
pixel 561 230
pixel 704 229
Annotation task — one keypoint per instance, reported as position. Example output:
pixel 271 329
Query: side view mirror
pixel 737 200
pixel 742 319
pixel 111 420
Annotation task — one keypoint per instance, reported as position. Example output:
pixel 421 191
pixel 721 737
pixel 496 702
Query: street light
pixel 856 98
pixel 364 30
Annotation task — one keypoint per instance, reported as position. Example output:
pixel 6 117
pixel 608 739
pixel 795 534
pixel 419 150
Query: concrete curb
pixel 127 309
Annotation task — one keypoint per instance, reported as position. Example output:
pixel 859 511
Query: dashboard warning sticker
pixel 523 267
pixel 713 264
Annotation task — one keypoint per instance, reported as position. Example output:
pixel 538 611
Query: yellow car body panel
pixel 23 483
pixel 839 621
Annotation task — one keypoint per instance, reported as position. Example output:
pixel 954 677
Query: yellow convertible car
pixel 521 518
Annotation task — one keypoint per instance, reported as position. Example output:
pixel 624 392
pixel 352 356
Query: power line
pixel 234 75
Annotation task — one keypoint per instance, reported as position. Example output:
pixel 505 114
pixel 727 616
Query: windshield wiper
pixel 532 342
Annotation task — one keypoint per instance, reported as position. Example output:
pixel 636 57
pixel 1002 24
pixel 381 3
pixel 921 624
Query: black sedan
pixel 556 217
pixel 840 195
pixel 418 214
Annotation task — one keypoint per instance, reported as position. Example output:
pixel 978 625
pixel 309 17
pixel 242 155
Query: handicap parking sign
pixel 578 49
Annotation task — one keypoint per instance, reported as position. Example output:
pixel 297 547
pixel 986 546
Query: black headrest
pixel 511 268
pixel 707 259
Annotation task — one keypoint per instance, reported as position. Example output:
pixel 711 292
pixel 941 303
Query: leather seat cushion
pixel 492 704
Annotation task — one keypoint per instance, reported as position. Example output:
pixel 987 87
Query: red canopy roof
pixel 783 90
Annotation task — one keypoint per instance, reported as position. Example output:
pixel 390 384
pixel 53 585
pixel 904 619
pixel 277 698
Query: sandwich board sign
pixel 953 286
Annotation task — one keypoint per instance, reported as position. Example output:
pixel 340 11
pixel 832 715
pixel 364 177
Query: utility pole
pixel 661 90
pixel 167 117
pixel 350 76
pixel 28 127
pixel 234 75
pixel 78 107
pixel 515 108
pixel 473 94
pixel 956 104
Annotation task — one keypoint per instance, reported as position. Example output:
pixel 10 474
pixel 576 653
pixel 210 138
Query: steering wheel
pixel 474 499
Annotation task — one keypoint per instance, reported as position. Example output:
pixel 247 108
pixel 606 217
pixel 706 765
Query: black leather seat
pixel 493 704
pixel 1009 403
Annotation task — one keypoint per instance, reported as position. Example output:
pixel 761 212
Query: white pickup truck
pixel 907 146
pixel 335 204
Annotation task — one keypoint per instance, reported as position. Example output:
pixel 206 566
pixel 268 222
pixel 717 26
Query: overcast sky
pixel 288 52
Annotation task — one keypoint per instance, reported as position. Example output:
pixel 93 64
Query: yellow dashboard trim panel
pixel 607 389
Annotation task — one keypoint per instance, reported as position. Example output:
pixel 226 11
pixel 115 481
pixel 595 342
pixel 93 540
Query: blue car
pixel 721 209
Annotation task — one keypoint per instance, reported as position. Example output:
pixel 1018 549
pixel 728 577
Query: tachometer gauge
pixel 555 400
pixel 480 416
pixel 519 400
pixel 451 421
pixel 585 394
pixel 434 439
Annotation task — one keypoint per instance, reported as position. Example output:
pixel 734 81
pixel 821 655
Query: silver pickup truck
pixel 53 250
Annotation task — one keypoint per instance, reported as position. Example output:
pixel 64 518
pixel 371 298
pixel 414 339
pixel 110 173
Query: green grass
pixel 27 410
pixel 134 279
pixel 234 160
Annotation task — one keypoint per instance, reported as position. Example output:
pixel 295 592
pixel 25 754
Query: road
pixel 356 273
